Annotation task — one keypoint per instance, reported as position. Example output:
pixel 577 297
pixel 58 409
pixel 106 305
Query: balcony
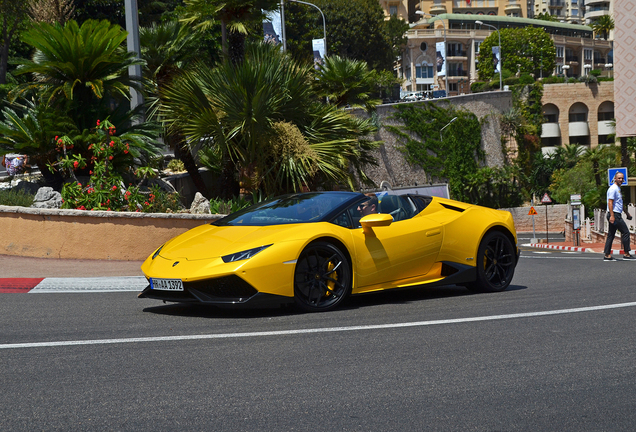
pixel 457 73
pixel 557 4
pixel 606 127
pixel 571 59
pixel 578 129
pixel 550 130
pixel 512 7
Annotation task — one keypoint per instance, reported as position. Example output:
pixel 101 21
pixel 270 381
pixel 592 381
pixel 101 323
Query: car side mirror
pixel 368 222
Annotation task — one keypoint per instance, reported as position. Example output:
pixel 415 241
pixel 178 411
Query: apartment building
pixel 578 52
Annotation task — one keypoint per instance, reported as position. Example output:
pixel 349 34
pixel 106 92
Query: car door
pixel 405 249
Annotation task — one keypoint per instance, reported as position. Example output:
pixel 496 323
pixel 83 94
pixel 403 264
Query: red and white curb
pixel 72 285
pixel 570 248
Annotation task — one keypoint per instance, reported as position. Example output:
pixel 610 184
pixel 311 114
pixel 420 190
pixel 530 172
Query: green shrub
pixel 478 86
pixel 599 79
pixel 219 206
pixel 572 80
pixel 526 79
pixel 175 165
pixel 553 80
pixel 596 72
pixel 16 198
pixel 510 81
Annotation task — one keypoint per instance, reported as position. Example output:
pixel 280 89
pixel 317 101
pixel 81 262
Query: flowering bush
pixel 106 189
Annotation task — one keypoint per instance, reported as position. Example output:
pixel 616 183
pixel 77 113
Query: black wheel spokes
pixel 318 275
pixel 499 262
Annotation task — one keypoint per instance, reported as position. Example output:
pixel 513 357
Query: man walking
pixel 615 218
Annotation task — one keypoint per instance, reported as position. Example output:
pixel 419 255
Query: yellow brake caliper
pixel 331 284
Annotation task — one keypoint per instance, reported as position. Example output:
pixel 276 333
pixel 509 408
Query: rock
pixel 200 205
pixel 46 197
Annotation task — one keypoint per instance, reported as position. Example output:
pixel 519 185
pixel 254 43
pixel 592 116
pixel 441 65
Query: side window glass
pixel 398 207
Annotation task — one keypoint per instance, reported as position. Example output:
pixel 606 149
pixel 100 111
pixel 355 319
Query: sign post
pixel 546 200
pixel 533 213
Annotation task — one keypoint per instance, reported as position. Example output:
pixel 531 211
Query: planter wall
pixel 76 234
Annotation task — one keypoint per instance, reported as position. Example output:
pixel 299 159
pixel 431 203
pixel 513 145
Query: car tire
pixel 496 261
pixel 322 278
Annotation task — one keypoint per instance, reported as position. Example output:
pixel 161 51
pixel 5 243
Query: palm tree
pixel 264 116
pixel 603 25
pixel 85 68
pixel 346 82
pixel 165 48
pixel 233 14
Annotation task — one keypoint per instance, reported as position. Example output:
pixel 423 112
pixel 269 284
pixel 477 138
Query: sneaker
pixel 610 258
pixel 629 257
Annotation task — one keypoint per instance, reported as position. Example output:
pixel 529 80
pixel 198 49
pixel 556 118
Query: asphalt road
pixel 554 352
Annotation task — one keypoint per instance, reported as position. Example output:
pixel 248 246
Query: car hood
pixel 209 241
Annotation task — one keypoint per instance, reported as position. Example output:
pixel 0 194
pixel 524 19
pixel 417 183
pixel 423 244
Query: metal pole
pixel 282 25
pixel 547 238
pixel 132 43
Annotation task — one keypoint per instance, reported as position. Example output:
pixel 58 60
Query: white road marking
pixel 314 330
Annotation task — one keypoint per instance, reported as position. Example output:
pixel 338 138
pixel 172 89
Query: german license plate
pixel 166 284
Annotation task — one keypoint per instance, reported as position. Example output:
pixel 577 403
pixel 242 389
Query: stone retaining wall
pixel 76 234
pixel 556 218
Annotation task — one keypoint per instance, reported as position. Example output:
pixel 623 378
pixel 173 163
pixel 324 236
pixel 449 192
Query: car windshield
pixel 289 209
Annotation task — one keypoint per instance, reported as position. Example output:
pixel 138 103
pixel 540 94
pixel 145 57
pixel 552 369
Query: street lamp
pixel 324 25
pixel 419 12
pixel 609 66
pixel 566 68
pixel 500 52
pixel 447 125
pixel 587 68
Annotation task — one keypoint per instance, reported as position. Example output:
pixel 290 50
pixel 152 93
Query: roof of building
pixel 510 20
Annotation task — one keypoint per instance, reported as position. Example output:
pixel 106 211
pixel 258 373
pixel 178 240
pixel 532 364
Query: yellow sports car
pixel 316 248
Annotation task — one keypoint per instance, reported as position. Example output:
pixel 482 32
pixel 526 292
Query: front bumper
pixel 228 290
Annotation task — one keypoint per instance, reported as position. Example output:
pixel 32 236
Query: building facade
pixel 577 113
pixel 577 51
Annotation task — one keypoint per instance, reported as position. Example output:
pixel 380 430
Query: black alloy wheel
pixel 496 261
pixel 322 278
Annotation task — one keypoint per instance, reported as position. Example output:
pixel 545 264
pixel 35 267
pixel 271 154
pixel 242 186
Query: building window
pixel 455 50
pixel 605 116
pixel 456 69
pixel 551 118
pixel 452 87
pixel 559 52
pixel 424 71
pixel 587 54
pixel 578 117
pixel 393 9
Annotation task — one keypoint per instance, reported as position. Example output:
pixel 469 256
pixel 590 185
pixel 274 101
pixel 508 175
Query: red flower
pixel 114 187
pixel 110 158
pixel 97 122
pixel 75 164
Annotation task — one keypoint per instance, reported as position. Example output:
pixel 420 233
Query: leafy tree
pixel 525 50
pixel 12 16
pixel 51 11
pixel 83 68
pixel 264 115
pixel 234 15
pixel 355 30
pixel 544 16
pixel 33 133
pixel 603 25
pixel 346 82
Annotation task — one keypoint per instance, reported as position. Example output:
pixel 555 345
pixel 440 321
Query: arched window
pixel 551 113
pixel 606 111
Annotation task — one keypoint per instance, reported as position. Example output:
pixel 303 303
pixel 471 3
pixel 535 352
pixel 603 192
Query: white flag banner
pixel 272 27
pixel 440 54
pixel 496 59
pixel 318 46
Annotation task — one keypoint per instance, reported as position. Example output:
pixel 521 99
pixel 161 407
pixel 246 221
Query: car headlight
pixel 243 255
pixel 154 255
